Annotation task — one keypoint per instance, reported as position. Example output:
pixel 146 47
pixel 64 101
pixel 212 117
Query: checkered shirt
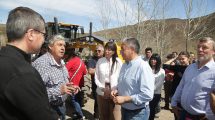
pixel 53 75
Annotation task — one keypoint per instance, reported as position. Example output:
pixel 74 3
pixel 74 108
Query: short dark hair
pixel 185 53
pixel 20 20
pixel 170 56
pixel 132 43
pixel 148 49
pixel 175 52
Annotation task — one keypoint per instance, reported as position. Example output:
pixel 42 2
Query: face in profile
pixel 37 40
pixel 126 52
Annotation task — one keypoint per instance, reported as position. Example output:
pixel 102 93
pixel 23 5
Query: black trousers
pixel 153 104
pixel 167 91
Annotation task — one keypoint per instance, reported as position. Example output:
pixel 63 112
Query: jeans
pixel 61 111
pixel 77 105
pixel 140 114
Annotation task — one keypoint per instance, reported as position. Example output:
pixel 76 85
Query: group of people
pixel 36 90
pixel 122 91
pixel 189 82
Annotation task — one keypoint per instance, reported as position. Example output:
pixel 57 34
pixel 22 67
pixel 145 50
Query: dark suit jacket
pixel 23 95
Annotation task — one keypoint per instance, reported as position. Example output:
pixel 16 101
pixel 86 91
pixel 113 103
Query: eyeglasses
pixel 111 40
pixel 98 50
pixel 44 34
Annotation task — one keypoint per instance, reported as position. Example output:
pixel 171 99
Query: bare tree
pixel 104 12
pixel 195 27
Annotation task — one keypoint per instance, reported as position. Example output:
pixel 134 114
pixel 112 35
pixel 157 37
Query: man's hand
pixel 64 89
pixel 121 99
pixel 69 88
pixel 212 101
pixel 176 110
pixel 77 89
pixel 114 93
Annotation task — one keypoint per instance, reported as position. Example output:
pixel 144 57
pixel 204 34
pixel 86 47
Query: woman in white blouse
pixel 106 79
pixel 159 74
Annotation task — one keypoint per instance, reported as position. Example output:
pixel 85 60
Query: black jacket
pixel 178 73
pixel 23 94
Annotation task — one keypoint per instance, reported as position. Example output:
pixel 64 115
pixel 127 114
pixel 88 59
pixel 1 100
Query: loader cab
pixel 69 31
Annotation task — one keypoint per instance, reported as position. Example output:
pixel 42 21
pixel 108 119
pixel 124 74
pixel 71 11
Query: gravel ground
pixel 88 112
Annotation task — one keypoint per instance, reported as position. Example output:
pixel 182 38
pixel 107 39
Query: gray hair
pixel 208 39
pixel 20 20
pixel 132 43
pixel 55 38
pixel 100 46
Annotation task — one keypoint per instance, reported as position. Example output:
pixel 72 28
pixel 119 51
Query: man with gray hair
pixel 135 84
pixel 192 94
pixel 23 95
pixel 55 75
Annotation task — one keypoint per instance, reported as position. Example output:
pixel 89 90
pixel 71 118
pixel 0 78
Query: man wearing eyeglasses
pixel 23 95
pixel 99 53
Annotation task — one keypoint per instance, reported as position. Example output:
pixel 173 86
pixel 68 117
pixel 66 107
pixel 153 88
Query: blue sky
pixel 82 12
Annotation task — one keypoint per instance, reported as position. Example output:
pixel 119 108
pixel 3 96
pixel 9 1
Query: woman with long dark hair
pixel 159 74
pixel 106 79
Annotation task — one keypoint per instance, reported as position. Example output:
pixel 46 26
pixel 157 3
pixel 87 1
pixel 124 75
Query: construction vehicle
pixel 74 35
pixel 76 39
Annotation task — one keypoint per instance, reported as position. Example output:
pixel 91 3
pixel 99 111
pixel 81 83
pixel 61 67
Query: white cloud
pixel 112 13
pixel 122 12
pixel 74 7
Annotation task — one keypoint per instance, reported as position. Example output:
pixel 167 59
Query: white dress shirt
pixel 103 75
pixel 159 80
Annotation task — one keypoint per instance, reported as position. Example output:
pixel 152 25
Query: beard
pixel 205 58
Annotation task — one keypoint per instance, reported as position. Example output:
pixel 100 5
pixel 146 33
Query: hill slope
pixel 165 36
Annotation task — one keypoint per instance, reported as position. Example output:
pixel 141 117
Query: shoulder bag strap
pixel 76 71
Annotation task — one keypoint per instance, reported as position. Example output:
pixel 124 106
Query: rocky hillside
pixel 165 36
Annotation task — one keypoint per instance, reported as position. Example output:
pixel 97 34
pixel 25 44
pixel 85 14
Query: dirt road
pixel 88 111
pixel 163 115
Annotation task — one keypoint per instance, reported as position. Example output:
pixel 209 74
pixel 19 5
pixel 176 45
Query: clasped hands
pixel 69 88
pixel 118 99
